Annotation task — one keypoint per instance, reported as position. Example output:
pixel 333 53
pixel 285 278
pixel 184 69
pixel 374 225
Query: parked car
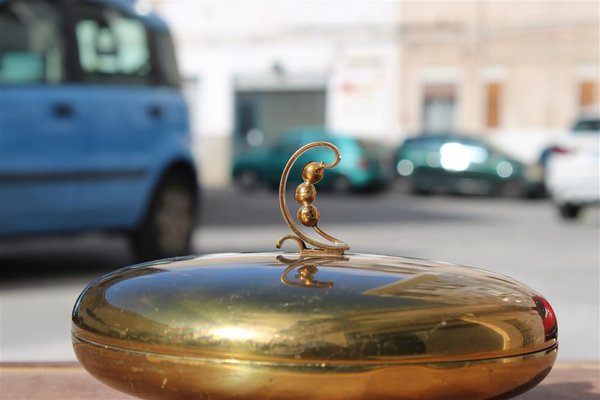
pixel 94 128
pixel 364 165
pixel 461 164
pixel 573 167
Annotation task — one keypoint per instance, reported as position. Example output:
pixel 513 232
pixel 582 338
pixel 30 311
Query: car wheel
pixel 246 180
pixel 512 190
pixel 167 228
pixel 569 211
pixel 341 184
pixel 419 189
pixel 402 185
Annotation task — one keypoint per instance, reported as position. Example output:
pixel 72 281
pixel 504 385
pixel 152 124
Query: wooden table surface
pixel 66 381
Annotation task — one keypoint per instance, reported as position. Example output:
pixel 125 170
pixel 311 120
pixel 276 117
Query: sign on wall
pixel 363 92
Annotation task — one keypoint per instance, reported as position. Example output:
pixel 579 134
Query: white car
pixel 573 168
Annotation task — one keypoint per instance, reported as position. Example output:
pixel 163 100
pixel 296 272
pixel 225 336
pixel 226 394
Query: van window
pixel 113 48
pixel 31 44
pixel 166 59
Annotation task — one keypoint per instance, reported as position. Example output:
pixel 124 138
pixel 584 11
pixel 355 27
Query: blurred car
pixel 465 165
pixel 94 128
pixel 573 167
pixel 364 165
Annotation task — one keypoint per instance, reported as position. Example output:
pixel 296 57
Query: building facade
pixel 517 72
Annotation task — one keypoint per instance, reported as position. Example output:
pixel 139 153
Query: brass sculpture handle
pixel 308 214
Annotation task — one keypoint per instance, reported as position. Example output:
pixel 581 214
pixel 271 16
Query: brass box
pixel 319 324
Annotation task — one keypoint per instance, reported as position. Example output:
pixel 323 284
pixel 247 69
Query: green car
pixel 365 164
pixel 463 165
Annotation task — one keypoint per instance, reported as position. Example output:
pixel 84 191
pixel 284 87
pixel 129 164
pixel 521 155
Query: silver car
pixel 573 168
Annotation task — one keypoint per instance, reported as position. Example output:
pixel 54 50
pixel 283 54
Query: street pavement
pixel 526 240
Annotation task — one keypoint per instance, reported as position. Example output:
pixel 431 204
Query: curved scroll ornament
pixel 308 214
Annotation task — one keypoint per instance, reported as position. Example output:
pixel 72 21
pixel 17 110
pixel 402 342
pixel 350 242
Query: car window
pixel 469 142
pixel 430 143
pixel 31 43
pixel 588 125
pixel 287 143
pixel 456 156
pixel 371 146
pixel 113 47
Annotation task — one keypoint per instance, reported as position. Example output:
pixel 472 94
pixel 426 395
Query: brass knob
pixel 308 214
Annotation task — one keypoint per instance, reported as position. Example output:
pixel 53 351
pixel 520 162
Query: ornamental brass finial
pixel 308 214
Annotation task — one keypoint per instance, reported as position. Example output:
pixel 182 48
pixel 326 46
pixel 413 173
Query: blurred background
pixel 515 73
pixel 469 129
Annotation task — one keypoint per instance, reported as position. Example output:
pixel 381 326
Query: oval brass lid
pixel 319 324
pixel 282 308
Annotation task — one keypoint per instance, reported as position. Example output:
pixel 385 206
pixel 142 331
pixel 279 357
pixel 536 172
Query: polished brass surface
pixel 320 324
pixel 283 326
pixel 153 376
pixel 308 214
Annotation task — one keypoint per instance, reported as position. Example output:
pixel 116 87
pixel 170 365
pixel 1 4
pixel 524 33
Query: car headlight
pixel 504 169
pixel 405 167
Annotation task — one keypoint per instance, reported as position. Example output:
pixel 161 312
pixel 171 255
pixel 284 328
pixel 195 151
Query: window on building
pixel 588 93
pixel 494 97
pixel 439 108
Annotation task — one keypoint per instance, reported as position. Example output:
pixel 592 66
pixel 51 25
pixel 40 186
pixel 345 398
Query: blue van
pixel 94 130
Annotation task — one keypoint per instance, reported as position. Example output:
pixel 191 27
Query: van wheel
pixel 166 231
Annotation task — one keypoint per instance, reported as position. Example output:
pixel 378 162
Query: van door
pixel 122 109
pixel 39 147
